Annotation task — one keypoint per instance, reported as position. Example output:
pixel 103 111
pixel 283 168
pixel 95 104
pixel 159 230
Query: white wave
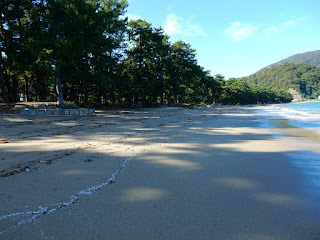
pixel 292 113
pixel 298 118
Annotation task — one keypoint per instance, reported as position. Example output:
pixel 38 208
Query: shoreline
pixel 305 143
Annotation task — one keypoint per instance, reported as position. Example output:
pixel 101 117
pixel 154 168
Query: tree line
pixel 87 52
pixel 311 57
pixel 302 77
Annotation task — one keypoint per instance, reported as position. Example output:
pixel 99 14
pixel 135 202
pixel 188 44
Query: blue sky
pixel 236 38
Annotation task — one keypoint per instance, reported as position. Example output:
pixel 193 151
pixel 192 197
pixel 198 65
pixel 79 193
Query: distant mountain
pixel 300 72
pixel 312 57
pixel 304 78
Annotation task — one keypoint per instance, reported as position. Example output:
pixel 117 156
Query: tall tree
pixel 183 60
pixel 20 23
pixel 82 34
pixel 146 61
pixel 3 89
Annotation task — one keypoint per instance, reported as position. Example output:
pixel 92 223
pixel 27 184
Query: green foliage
pixel 236 91
pixel 301 77
pixel 88 51
pixel 312 57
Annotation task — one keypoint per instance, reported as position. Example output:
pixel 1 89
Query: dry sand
pixel 167 173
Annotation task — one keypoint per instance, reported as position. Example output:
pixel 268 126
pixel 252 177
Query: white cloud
pixel 238 31
pixel 281 27
pixel 178 26
pixel 173 25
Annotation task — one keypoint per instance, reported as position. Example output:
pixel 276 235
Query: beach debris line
pixel 90 159
pixel 31 216
pixel 11 221
pixel 19 168
pixel 7 140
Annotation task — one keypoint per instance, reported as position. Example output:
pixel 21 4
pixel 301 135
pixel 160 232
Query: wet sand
pixel 168 173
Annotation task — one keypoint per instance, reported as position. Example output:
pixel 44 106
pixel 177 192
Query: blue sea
pixel 301 115
pixel 304 115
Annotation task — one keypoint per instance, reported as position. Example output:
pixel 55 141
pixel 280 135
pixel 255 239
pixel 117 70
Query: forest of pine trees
pixel 86 52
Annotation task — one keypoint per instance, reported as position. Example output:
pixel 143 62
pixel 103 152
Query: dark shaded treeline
pixel 86 52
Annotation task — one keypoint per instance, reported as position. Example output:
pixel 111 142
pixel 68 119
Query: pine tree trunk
pixel 59 87
pixel 99 96
pixel 42 91
pixel 113 97
pixel 162 98
pixel 3 89
pixel 26 89
pixel 86 96
pixel 14 91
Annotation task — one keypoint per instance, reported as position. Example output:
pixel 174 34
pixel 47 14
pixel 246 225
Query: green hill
pixel 305 78
pixel 312 57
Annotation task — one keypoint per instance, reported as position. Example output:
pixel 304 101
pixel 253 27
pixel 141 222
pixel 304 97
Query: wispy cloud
pixel 175 25
pixel 238 31
pixel 281 27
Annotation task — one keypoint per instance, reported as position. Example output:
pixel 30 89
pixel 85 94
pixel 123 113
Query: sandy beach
pixel 165 173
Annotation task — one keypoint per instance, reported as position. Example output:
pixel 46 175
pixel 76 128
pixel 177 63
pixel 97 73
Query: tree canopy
pixel 87 52
pixel 312 57
pixel 304 78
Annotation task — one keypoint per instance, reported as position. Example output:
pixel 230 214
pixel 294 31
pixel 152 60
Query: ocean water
pixel 301 115
pixel 305 116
